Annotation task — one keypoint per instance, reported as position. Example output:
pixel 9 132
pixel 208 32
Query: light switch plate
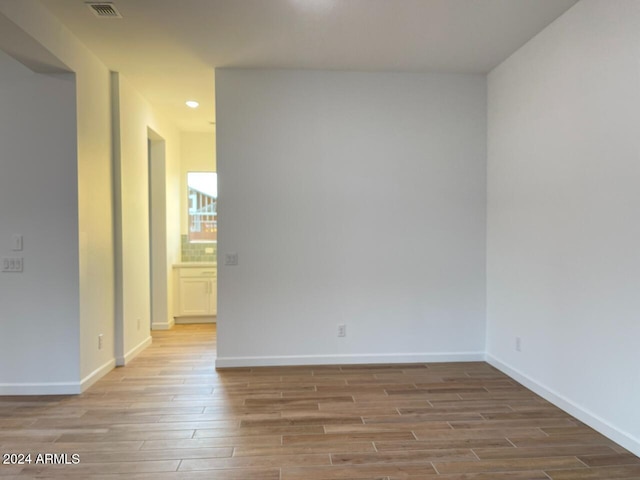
pixel 12 264
pixel 16 243
pixel 231 259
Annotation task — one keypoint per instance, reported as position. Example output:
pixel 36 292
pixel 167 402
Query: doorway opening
pixel 158 270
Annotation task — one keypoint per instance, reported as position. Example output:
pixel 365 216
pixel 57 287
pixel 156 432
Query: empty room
pixel 320 239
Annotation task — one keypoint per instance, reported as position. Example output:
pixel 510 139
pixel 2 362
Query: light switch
pixel 231 259
pixel 12 264
pixel 16 243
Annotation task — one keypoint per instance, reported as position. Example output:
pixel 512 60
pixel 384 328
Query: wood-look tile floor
pixel 170 415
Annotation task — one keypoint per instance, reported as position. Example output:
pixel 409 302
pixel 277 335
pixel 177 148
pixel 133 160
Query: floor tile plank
pixel 169 415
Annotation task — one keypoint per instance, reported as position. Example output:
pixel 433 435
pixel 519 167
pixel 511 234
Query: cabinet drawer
pixel 198 272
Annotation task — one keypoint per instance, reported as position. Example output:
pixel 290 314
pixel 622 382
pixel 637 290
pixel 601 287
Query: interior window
pixel 202 189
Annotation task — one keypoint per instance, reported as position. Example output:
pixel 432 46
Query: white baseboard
pixel 53 388
pixel 163 325
pixel 97 374
pixel 58 388
pixel 359 359
pixel 594 421
pixel 190 320
pixel 133 353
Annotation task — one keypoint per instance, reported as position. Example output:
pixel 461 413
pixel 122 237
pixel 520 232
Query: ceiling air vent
pixel 103 10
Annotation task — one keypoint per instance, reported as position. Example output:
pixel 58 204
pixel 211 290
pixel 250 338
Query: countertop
pixel 195 265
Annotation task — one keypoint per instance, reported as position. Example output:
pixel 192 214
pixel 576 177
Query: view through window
pixel 203 198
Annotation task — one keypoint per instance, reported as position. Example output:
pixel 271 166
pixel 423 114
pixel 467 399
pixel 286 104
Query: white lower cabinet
pixel 196 294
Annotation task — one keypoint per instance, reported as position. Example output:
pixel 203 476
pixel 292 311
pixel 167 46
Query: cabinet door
pixel 194 296
pixel 213 297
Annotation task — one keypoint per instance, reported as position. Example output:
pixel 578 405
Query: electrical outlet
pixel 12 264
pixel 100 341
pixel 342 330
pixel 518 344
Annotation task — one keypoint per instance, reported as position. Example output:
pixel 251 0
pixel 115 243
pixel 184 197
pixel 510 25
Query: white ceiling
pixel 168 49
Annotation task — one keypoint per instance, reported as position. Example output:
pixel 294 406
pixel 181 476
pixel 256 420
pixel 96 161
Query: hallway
pixel 170 415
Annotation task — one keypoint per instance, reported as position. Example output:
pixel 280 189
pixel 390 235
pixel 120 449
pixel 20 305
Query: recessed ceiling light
pixel 192 104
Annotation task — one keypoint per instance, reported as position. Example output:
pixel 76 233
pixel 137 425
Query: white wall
pixel 197 154
pixel 134 118
pixel 350 198
pixel 93 233
pixel 161 292
pixel 95 202
pixel 92 184
pixel 39 200
pixel 563 264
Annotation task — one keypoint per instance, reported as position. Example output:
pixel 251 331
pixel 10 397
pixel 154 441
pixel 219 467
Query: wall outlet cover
pixel 342 330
